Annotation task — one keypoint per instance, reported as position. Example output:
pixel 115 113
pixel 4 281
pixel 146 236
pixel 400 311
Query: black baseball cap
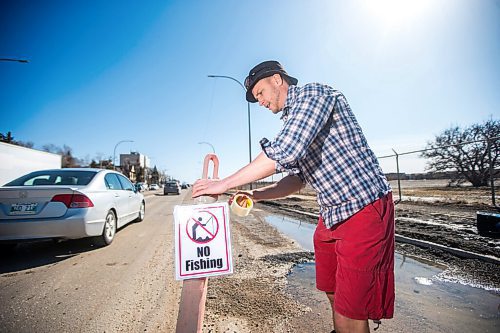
pixel 262 70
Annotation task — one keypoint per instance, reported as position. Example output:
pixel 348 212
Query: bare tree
pixel 68 160
pixel 51 148
pixel 139 174
pixel 466 152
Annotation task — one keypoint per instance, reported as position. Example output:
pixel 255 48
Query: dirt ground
pixel 253 298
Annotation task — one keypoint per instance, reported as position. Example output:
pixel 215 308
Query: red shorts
pixel 355 260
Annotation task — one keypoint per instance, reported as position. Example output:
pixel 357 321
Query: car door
pixel 120 196
pixel 133 200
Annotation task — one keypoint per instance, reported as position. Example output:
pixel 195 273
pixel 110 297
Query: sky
pixel 100 72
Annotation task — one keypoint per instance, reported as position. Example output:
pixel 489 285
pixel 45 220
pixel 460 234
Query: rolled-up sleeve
pixel 305 120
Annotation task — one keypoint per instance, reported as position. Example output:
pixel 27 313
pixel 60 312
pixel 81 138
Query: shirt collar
pixel 291 96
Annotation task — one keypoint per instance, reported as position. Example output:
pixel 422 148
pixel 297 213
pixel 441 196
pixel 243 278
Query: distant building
pixel 134 166
pixel 134 158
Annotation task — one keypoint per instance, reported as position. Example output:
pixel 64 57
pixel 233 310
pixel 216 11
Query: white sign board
pixel 202 241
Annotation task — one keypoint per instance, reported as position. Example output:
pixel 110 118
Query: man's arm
pixel 286 186
pixel 260 167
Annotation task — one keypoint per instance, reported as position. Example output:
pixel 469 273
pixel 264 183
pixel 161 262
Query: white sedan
pixel 68 204
pixel 154 187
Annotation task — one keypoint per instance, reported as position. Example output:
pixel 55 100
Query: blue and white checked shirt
pixel 322 143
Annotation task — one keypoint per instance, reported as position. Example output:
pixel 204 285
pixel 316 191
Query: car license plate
pixel 23 208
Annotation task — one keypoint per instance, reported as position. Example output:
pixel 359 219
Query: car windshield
pixel 172 184
pixel 54 177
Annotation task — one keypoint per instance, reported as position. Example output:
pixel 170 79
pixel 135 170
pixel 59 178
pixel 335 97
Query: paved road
pixel 74 287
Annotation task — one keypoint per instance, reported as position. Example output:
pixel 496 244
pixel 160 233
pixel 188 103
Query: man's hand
pixel 261 167
pixel 208 187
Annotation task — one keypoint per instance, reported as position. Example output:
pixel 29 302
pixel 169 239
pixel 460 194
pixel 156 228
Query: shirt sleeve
pixel 305 120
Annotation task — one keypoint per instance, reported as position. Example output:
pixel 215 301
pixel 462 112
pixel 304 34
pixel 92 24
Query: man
pixel 322 144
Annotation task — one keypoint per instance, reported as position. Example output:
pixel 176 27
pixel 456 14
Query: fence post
pixel 194 291
pixel 399 177
pixel 492 177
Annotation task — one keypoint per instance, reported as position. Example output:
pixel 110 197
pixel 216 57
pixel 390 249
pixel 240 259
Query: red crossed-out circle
pixel 203 222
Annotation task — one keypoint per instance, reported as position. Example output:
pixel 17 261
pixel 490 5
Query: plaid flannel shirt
pixel 323 144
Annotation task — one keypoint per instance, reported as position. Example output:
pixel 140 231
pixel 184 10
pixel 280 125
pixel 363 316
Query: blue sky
pixel 105 71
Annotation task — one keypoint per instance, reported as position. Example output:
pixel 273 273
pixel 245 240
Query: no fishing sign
pixel 202 241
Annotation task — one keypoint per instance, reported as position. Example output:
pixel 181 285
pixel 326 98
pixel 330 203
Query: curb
pixel 459 253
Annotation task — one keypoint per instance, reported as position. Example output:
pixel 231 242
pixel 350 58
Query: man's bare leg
pixel 348 325
pixel 331 298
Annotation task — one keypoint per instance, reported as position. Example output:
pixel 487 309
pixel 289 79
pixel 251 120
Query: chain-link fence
pixel 439 186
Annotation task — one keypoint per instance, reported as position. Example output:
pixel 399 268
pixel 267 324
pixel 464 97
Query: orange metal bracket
pixel 194 291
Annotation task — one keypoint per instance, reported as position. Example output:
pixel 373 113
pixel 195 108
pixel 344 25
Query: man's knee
pixel 345 324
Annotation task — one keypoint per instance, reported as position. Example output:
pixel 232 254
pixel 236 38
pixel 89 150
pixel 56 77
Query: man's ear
pixel 278 79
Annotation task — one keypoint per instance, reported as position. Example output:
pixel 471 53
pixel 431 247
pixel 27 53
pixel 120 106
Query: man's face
pixel 268 93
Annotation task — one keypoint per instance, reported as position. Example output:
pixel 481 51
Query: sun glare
pixel 397 13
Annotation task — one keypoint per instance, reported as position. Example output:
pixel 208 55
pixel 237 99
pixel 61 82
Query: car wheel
pixel 7 247
pixel 109 230
pixel 142 212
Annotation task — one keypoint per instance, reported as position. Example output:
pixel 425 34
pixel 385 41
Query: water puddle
pixel 423 299
pixel 301 232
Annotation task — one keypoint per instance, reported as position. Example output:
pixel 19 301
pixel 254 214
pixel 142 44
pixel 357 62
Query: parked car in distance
pixel 154 187
pixel 172 187
pixel 68 204
pixel 141 187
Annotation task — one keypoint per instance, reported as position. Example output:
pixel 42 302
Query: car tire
pixel 142 212
pixel 7 247
pixel 109 230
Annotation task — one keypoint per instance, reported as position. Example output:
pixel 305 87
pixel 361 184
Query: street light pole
pixel 208 143
pixel 248 112
pixel 14 60
pixel 114 151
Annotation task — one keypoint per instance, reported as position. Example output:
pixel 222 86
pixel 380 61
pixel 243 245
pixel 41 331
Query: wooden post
pixel 194 291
